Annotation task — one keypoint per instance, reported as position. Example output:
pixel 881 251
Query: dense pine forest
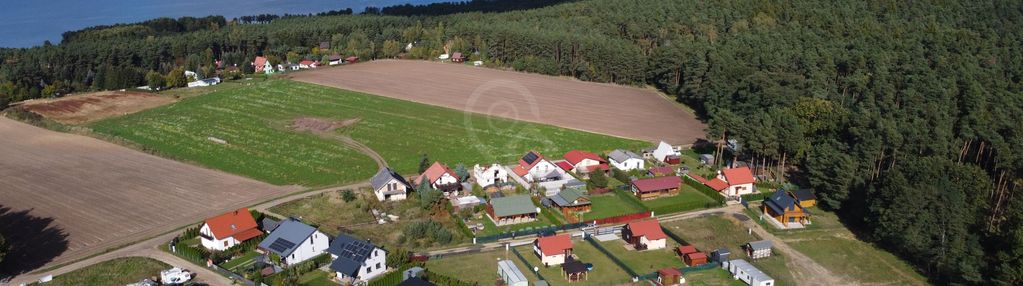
pixel 902 115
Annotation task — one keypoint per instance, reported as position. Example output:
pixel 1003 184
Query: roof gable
pixel 569 196
pixel 435 172
pixel 232 223
pixel 620 155
pixel 555 244
pixel 287 237
pixel 351 253
pixel 384 176
pixel 715 184
pixel 657 184
pixel 780 201
pixel 576 156
pixel 651 229
pixel 513 205
pixel 738 176
pixel 804 195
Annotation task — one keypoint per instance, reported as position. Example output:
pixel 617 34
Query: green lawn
pixel 609 205
pixel 605 271
pixel 712 232
pixel 477 267
pixel 253 119
pixel 687 199
pixel 491 229
pixel 118 272
pixel 829 243
pixel 245 260
pixel 330 213
pixel 712 277
pixel 647 261
pixel 316 278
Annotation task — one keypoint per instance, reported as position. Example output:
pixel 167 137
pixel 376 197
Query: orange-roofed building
pixel 229 229
pixel 440 177
pixel 740 181
pixel 534 167
pixel 583 162
pixel 553 250
pixel 645 234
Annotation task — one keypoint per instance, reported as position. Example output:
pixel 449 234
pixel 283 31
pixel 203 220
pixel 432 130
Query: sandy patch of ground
pixel 320 125
pixel 90 107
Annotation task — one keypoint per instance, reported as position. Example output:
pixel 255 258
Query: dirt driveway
pixel 64 197
pixel 600 108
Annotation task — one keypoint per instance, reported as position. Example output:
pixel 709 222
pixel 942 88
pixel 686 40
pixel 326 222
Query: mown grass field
pixel 605 271
pixel 477 267
pixel 646 261
pixel 253 119
pixel 118 271
pixel 609 205
pixel 712 232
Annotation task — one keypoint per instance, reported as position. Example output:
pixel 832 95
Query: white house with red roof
pixel 645 234
pixel 585 162
pixel 262 65
pixel 229 229
pixel 553 250
pixel 440 177
pixel 534 167
pixel 307 64
pixel 740 181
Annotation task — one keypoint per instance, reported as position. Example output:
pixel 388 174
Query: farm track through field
pixel 599 108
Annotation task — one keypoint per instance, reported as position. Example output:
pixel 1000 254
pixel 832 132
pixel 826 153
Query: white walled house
pixel 740 181
pixel 356 260
pixel 490 175
pixel 533 167
pixel 229 229
pixel 440 177
pixel 552 250
pixel 295 242
pixel 584 162
pixel 645 235
pixel 626 160
pixel 389 185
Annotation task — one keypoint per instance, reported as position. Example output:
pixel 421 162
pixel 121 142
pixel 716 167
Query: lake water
pixel 30 22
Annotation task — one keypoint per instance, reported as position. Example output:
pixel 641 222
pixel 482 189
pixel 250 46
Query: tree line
pixel 903 116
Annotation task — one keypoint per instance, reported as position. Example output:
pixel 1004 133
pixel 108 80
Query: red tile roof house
pixel 229 229
pixel 457 57
pixel 652 188
pixel 583 162
pixel 441 178
pixel 645 235
pixel 533 167
pixel 307 64
pixel 553 250
pixel 262 65
pixel 730 183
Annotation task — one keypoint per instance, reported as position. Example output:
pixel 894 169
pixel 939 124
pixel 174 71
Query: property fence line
pixel 614 259
pixel 700 187
pixel 623 218
pixel 674 236
pixel 709 265
pixel 564 227
pixel 530 266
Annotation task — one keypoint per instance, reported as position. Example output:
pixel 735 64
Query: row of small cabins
pixel 353 260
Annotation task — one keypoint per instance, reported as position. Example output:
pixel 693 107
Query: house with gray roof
pixel 759 249
pixel 294 242
pixel 388 185
pixel 625 160
pixel 569 200
pixel 512 210
pixel 748 273
pixel 356 260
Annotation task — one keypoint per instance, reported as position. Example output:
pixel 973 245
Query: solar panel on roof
pixel 530 158
pixel 281 245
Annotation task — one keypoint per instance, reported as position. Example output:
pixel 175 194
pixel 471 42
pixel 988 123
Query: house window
pixel 378 265
pixel 225 243
pixel 368 269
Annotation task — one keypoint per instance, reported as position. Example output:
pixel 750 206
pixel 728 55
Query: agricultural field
pixel 477 267
pixel 118 272
pixel 249 131
pixel 89 107
pixel 712 232
pixel 520 96
pixel 109 195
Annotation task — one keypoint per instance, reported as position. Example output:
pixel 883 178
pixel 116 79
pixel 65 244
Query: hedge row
pixel 704 189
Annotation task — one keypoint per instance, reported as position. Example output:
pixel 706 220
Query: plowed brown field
pixel 599 108
pixel 89 107
pixel 101 195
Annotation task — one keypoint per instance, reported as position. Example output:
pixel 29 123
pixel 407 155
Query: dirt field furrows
pixel 101 195
pixel 599 108
pixel 90 107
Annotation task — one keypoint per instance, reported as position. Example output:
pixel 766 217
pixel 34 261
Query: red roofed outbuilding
pixel 652 188
pixel 585 162
pixel 740 181
pixel 553 250
pixel 229 229
pixel 645 234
